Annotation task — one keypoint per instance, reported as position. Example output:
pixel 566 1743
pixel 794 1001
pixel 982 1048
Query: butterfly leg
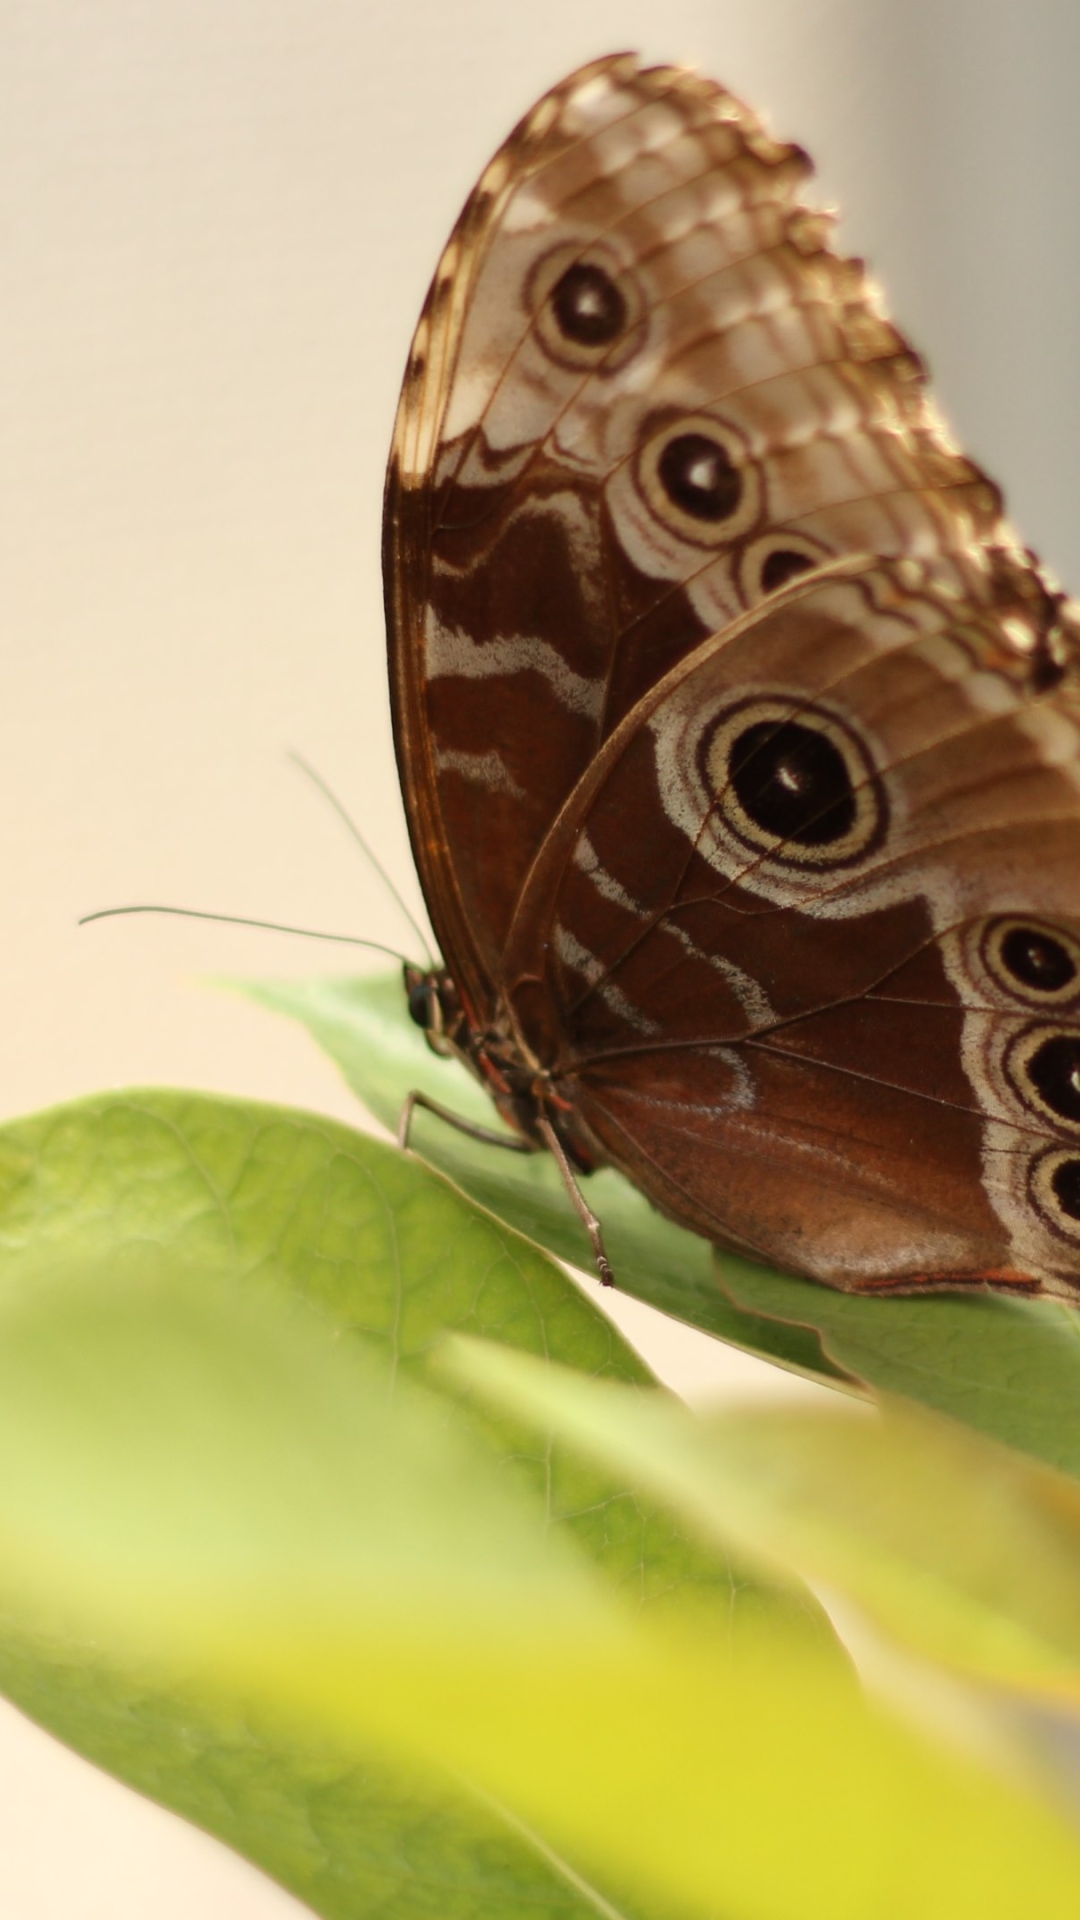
pixel 578 1201
pixel 456 1120
pixel 488 1134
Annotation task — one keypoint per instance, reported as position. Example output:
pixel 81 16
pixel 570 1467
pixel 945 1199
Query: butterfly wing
pixel 803 949
pixel 774 878
pixel 642 395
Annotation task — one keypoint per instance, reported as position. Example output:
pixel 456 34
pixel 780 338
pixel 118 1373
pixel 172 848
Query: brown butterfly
pixel 740 740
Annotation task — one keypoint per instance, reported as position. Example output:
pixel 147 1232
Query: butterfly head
pixel 435 1005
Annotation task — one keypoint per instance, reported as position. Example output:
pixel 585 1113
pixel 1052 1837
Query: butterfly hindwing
pixel 785 926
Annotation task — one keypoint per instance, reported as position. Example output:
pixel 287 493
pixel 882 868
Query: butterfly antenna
pixel 238 920
pixel 351 827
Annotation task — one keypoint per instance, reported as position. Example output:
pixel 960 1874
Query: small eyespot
pixel 588 306
pixel 769 562
pixel 1036 964
pixel 781 565
pixel 697 474
pixel 1065 1181
pixel 1054 1191
pixel 697 480
pixel 797 786
pixel 1054 1071
pixel 1043 1065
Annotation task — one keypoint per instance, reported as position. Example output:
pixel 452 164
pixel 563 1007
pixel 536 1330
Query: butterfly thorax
pixel 523 1089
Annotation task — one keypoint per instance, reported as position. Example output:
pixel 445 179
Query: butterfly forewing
pixel 642 393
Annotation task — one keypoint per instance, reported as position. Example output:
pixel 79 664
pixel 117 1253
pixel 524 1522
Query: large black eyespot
pixel 1043 1066
pixel 1054 1191
pixel 697 474
pixel 793 782
pixel 797 785
pixel 1036 960
pixel 588 306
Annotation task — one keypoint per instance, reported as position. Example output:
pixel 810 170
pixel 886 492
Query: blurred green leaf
pixel 960 1548
pixel 165 1441
pixel 362 1241
pixel 174 1440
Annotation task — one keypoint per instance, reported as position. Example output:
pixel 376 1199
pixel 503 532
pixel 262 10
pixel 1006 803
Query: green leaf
pixel 195 1470
pixel 365 1244
pixel 1008 1367
pixel 362 1024
pixel 716 1785
pixel 1011 1368
pixel 961 1549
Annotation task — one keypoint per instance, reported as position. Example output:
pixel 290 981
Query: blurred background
pixel 219 218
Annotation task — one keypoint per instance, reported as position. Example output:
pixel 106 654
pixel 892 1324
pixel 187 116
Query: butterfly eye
pixel 1054 1191
pixel 421 1003
pixel 587 309
pixel 1033 963
pixel 1043 1065
pixel 798 787
pixel 697 481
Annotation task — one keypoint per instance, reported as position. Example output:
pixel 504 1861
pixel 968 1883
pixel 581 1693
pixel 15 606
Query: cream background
pixel 218 221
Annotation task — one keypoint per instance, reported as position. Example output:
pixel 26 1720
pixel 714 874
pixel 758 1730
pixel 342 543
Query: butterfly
pixel 739 736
